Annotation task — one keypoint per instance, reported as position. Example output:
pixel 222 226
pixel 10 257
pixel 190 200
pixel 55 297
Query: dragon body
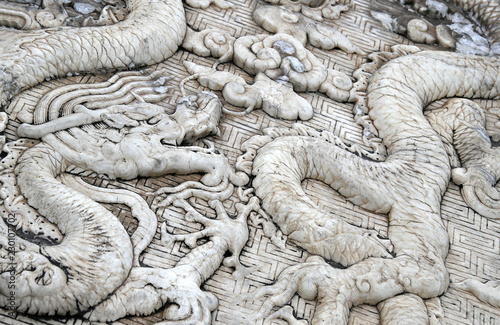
pixel 151 33
pixel 408 186
pixel 66 275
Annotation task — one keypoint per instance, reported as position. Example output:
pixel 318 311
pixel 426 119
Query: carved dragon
pixel 396 93
pixel 150 33
pixel 86 240
pixel 393 186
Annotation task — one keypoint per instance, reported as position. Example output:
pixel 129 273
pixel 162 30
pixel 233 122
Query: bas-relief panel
pixel 160 223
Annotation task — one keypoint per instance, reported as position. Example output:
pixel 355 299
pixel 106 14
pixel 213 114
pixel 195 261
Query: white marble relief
pixel 75 258
pixel 488 292
pixel 138 139
pixel 281 20
pixel 317 10
pixel 436 22
pixel 274 61
pixel 413 261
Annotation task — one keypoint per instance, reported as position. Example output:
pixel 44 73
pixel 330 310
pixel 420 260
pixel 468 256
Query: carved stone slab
pixel 474 237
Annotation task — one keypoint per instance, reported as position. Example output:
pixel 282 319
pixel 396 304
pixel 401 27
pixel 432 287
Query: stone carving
pixel 61 13
pixel 415 154
pixel 437 22
pixel 488 292
pixel 412 23
pixel 4 119
pixel 280 57
pixel 29 58
pixel 461 126
pixel 22 16
pixel 122 130
pixel 317 10
pixel 97 14
pixel 210 42
pixel 222 4
pixel 89 240
pixel 281 20
pixel 275 99
pixel 180 285
pixel 420 31
pixel 488 14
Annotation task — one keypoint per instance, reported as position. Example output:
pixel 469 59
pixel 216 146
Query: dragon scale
pixel 376 186
pixel 396 95
pixel 151 33
pixel 69 280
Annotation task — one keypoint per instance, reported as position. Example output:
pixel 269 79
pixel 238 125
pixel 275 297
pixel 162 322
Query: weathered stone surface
pixel 181 165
